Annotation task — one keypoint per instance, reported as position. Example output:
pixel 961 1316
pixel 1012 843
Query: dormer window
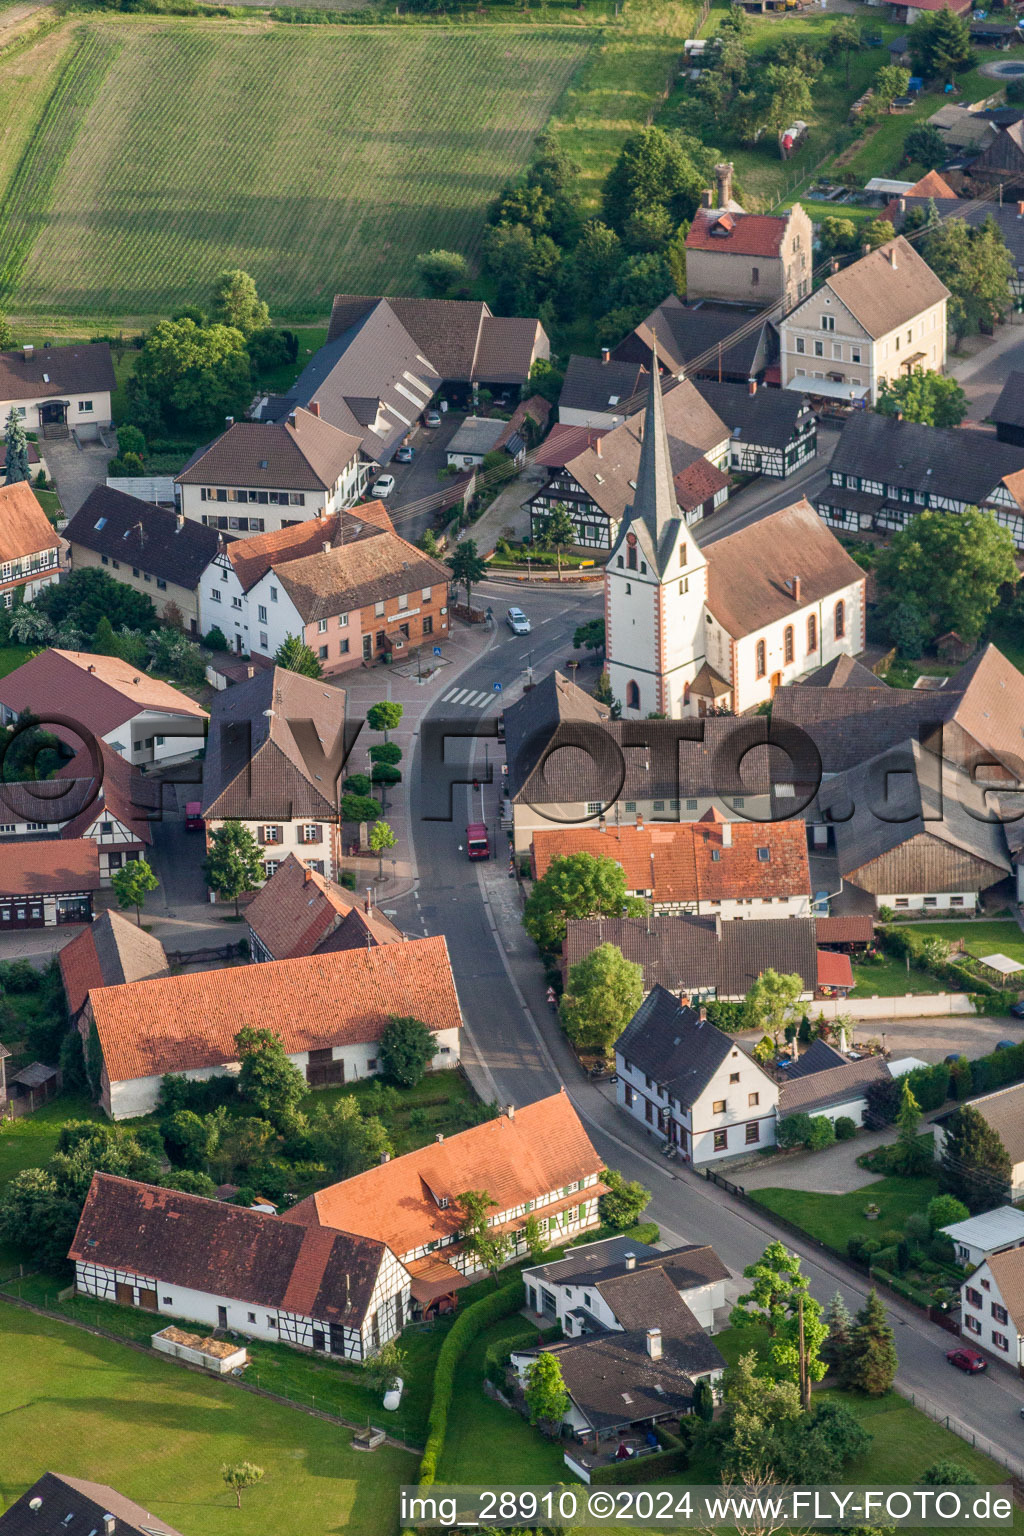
pixel 442 1201
pixel 763 855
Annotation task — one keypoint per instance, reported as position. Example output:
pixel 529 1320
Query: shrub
pixel 886 1258
pixel 944 1210
pixel 822 1133
pixel 643 1469
pixel 845 1128
pixel 357 784
pixel 216 640
pixel 794 1131
pixel 347 879
pixel 504 1302
pixel 890 1237
pixel 855 1248
pixel 727 1017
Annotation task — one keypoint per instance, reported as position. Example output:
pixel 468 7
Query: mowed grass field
pixel 317 158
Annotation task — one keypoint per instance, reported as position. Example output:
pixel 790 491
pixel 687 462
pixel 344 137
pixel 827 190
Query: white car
pixel 382 487
pixel 517 621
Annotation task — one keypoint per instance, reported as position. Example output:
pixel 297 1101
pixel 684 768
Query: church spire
pixel 655 498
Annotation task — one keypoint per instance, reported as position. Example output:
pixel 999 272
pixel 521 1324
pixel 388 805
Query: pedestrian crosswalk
pixel 468 698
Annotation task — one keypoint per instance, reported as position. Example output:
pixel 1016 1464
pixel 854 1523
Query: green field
pixel 317 158
pixel 88 1407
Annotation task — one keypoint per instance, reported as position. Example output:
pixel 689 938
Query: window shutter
pixel 314 834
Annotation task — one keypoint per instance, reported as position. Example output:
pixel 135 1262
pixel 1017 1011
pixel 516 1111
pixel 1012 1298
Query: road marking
pixel 458 697
pixel 447 697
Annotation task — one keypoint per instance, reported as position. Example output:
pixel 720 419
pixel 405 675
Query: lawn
pixel 886 977
pixel 980 938
pixel 440 1103
pixel 415 128
pixel 14 656
pixel 832 1219
pixel 92 1408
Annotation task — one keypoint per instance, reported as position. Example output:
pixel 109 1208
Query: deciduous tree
pixel 557 532
pixel 625 1201
pixel 491 1247
pixel 197 374
pixel 267 1077
pixel 405 1050
pixel 233 866
pixel 132 883
pixel 604 991
pixel 381 839
pixel 240 1476
pixel 236 303
pixel 951 568
pixel 576 885
pixel 934 399
pixel 771 1001
pixel 385 716
pixel 443 274
pixel 546 1397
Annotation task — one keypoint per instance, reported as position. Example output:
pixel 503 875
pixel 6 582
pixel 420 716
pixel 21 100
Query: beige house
pixel 749 258
pixel 158 552
pixel 57 390
pixel 868 324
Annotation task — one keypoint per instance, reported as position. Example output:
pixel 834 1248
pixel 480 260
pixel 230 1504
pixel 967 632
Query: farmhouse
pixel 873 321
pixel 228 1267
pixel 598 485
pixel 535 1161
pixel 110 952
pixel 749 258
pixel 690 1084
pixel 142 719
pixel 55 1504
pixel 773 431
pixel 302 467
pixel 155 551
pixel 716 341
pixel 692 630
pixel 330 1011
pixel 598 392
pixel 300 912
pixel 57 390
pixel 47 884
pixel 29 547
pixel 992 1307
pixel 884 471
pixel 712 866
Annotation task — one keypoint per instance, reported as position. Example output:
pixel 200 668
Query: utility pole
pixel 805 1381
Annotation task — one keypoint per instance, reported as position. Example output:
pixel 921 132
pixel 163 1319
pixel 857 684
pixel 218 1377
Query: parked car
pixel 405 454
pixel 517 621
pixel 1005 1045
pixel 382 487
pixel 967 1360
pixel 1017 1009
pixel 432 419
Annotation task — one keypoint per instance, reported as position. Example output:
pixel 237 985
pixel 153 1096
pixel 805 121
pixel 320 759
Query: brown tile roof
pixel 24 527
pixel 1004 1112
pixel 508 347
pixel 53 866
pixel 739 234
pixel 361 929
pixel 689 861
pixel 882 296
pixel 748 571
pixel 110 951
pixel 563 443
pixel 931 185
pixel 296 909
pixel 459 337
pixel 101 692
pixel 845 930
pixel 542 1148
pixel 226 1250
pixel 70 369
pixel 121 793
pixel 688 954
pixel 177 1023
pixel 307 454
pixel 697 483
pixel 991 706
pixel 352 576
pixel 252 558
pixel 833 1086
pixel 1007 1270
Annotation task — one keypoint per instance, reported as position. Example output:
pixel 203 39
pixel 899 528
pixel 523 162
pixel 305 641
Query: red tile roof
pixel 100 692
pixel 745 234
pixel 834 970
pixel 678 860
pixel 177 1023
pixel 542 1148
pixel 24 527
pixel 296 909
pixel 51 867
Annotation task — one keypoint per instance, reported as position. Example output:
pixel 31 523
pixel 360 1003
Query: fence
pixel 203 956
pixel 911 1005
pixel 981 1443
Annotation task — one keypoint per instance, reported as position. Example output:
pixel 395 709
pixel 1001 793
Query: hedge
pixel 901 1287
pixel 504 1302
pixel 496 1357
pixel 643 1469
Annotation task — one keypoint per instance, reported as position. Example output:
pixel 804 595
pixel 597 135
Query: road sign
pixel 437 650
pixel 497 687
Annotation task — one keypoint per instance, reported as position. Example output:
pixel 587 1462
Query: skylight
pixel 101 524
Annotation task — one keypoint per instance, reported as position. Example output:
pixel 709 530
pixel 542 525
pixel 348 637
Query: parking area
pixel 416 481
pixel 75 471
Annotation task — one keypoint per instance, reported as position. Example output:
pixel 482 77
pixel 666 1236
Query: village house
pixel 157 552
pixel 597 392
pixel 824 1082
pixel 110 952
pixel 258 771
pixel 29 548
pixel 711 866
pixel 56 1504
pixel 749 258
pixel 978 129
pixel 474 440
pixel 302 467
pixel 57 390
pixel 773 431
pixel 636 1343
pixel 47 884
pixel 704 340
pixel 1008 411
pixel 534 1161
pixel 300 912
pixel 885 470
pixel 691 1085
pixel 992 1307
pixel 691 629
pixel 329 1009
pixel 1003 1112
pixel 869 323
pixel 979 1237
pixel 618 771
pixel 144 720
pixel 330 1291
pixel 598 485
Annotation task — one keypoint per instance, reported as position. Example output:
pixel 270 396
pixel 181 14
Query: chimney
pixel 1020 210
pixel 307 876
pixel 385 1157
pixel 654 1343
pixel 250 671
pixel 751 386
pixel 796 589
pixel 229 421
pixel 718 926
pixel 899 415
pixel 640 819
pixel 630 1260
pixel 865 249
pixel 723 181
pixel 901 204
pixel 291 418
pixel 366 902
pixel 90 668
pixel 439 1137
pixel 109 1525
pixel 314 407
pixel 597 446
pixel 180 521
pixel 834 264
pixel 707 198
pixel 28 351
pixel 891 253
pixel 510 1111
pixel 606 354
pixel 327 546
pixel 726 834
pixel 702 1014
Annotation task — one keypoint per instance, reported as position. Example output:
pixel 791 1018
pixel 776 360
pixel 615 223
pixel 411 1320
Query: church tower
pixel 655 586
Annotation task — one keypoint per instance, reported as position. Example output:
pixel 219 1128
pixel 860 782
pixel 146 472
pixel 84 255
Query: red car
pixel 967 1360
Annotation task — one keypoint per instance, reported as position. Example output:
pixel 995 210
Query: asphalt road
pixel 514 1045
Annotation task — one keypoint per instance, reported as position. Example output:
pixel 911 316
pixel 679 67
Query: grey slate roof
pixel 73 1504
pixel 138 533
pixel 477 434
pixel 835 1085
pixel 770 418
pixel 975 213
pixel 1008 410
pixel 671 1043
pixel 532 721
pixel 592 384
pixel 850 725
pixel 690 954
pixel 688 1266
pixel 686 334
pixel 950 461
pixel 818 1057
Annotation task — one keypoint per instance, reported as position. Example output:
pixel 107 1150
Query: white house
pixel 824 1082
pixel 690 1084
pixel 267 1277
pixel 574 1291
pixel 56 390
pixel 696 630
pixel 1003 1111
pixel 992 1307
pixel 329 1009
pixel 979 1237
pixel 870 323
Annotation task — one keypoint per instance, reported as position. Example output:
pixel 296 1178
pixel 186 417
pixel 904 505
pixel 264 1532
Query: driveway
pixel 418 480
pixel 983 374
pixel 76 471
pixel 831 1172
